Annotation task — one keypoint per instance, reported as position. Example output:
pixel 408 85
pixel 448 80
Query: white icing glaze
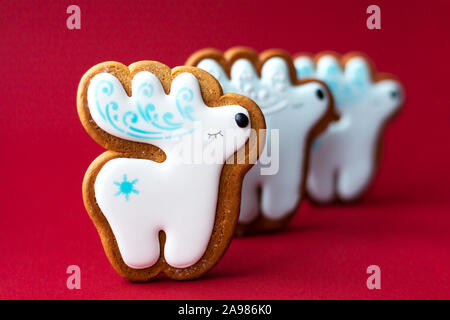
pixel 293 110
pixel 343 158
pixel 140 197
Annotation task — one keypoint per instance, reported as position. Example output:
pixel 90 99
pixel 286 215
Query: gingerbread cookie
pixel 298 109
pixel 155 213
pixel 344 159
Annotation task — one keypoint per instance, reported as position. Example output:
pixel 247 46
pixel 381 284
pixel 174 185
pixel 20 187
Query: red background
pixel 402 224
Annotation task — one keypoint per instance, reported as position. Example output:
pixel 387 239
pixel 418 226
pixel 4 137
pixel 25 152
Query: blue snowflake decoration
pixel 126 187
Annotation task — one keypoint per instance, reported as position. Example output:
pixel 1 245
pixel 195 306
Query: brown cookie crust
pixel 228 203
pixel 263 224
pixel 376 77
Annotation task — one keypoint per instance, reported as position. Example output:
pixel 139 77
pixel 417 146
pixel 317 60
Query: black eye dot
pixel 320 94
pixel 395 94
pixel 241 120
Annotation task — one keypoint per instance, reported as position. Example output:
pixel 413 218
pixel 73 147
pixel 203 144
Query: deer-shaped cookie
pixel 297 110
pixel 154 211
pixel 344 158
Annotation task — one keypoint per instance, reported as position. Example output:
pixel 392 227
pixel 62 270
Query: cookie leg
pixel 122 202
pixel 353 179
pixel 186 242
pixel 279 197
pixel 139 248
pixel 320 183
pixel 250 198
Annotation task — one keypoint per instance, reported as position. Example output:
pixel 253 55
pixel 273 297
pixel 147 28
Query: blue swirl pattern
pixel 347 86
pixel 145 120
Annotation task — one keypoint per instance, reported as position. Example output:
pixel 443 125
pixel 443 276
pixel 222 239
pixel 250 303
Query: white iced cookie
pixel 140 194
pixel 344 158
pixel 272 193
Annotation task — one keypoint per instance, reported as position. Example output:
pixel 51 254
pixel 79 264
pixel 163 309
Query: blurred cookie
pixel 296 111
pixel 344 158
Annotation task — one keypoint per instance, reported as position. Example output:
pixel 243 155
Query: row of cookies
pixel 155 214
pixel 330 112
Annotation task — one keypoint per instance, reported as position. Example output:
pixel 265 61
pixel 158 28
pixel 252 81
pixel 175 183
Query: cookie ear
pixel 358 72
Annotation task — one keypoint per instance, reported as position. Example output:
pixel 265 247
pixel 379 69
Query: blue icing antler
pixel 347 85
pixel 184 96
pixel 142 115
pixel 107 88
pixel 215 69
pixel 357 72
pixel 149 113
